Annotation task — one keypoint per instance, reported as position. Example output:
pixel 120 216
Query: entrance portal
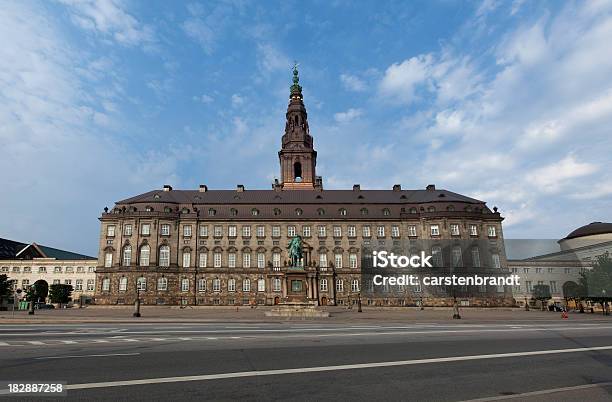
pixel 276 300
pixel 323 301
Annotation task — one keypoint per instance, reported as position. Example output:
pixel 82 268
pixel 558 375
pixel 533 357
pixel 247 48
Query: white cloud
pixel 270 59
pixel 203 98
pixel 353 83
pixel 237 100
pixel 109 19
pixel 550 178
pixel 348 116
pixel 400 80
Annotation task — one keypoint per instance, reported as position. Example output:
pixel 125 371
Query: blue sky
pixel 509 102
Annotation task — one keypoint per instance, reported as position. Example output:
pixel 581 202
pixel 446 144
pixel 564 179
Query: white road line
pixel 542 392
pixel 35 342
pixel 69 342
pixel 4 344
pixel 301 370
pixel 77 356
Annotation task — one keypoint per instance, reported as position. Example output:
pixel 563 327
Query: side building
pixel 229 247
pixel 25 264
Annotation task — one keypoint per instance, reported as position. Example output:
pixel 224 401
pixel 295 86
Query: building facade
pixel 561 270
pixel 229 247
pixel 25 264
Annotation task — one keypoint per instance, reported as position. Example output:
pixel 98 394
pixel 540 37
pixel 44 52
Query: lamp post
pixel 456 315
pixel 359 303
pixel 137 302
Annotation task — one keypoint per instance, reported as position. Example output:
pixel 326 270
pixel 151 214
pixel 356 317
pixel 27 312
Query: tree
pixel 38 291
pixel 60 293
pixel 5 288
pixel 575 292
pixel 598 282
pixel 541 293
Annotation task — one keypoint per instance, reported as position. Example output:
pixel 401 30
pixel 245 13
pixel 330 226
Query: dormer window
pixel 342 211
pixel 212 212
pixel 386 212
pixel 254 212
pixel 149 208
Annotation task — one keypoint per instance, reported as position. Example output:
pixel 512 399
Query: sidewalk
pixel 153 314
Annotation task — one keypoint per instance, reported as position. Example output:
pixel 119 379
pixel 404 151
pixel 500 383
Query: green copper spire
pixel 296 89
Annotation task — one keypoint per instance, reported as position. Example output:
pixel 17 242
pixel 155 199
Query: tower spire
pixel 297 156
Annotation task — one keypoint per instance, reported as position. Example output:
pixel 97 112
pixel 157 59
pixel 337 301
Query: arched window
pixel 231 285
pixel 149 208
pixel 246 285
pixel 105 284
pixel 167 209
pixel 320 211
pixel 298 211
pixel 297 171
pixel 261 285
pixel 431 209
pixel 342 211
pixel 123 281
pixel 127 255
pixel 277 211
pixel 436 253
pixel 450 208
pixel 254 212
pixel 162 283
pixel 364 211
pixel 233 212
pixel 164 256
pixel 355 285
pixel 145 252
pixel 386 212
pixel 212 212
pixel 413 210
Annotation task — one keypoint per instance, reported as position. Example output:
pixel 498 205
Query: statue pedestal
pixel 300 310
pixel 300 300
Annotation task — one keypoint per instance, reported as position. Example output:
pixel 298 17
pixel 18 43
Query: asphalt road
pixel 421 361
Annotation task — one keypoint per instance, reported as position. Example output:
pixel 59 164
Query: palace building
pixel 229 247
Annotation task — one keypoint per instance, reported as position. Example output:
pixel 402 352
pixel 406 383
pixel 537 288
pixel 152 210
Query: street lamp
pixel 359 303
pixel 137 302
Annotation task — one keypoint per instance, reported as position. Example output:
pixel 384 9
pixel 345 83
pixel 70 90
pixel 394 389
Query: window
pixel 25 284
pixel 380 231
pixel 435 230
pixel 108 260
pixel 231 285
pixel 496 261
pixel 473 230
pixel 216 285
pixel 323 260
pixel 110 231
pixel 395 231
pixel 323 285
pixel 457 260
pixel 567 270
pixel 127 230
pixel 203 259
pixel 254 212
pixel 454 228
pixel 218 231
pixel 320 212
pixel 165 229
pixel 276 260
pixel 528 286
pixel 412 231
pixel 145 229
pixel 337 231
pixel 246 231
pixel 353 260
pixel 355 285
pixel 16 269
pixel 553 286
pixel 386 212
pixel 538 270
pixel 551 270
pixel 203 231
pixel 261 231
pixel 342 211
pixel 338 260
pixel 187 231
pixel 276 285
pixel 436 253
pixel 276 232
pixel 123 282
pixel 42 270
pixel 339 285
pixel 69 270
pixel 202 285
pixel 141 284
pixel 306 231
pixel 261 285
pixel 366 231
pixel 491 231
pixel 246 285
pixel 186 259
pixel 164 256
pixel 231 260
pixel 321 231
pixel 476 257
pixel 364 211
pixel 298 212
pixel 145 252
pixel 246 260
pixel 56 281
pixel 525 270
pixel 352 231
pixel 261 260
pixel 291 231
pixel 162 283
pixel 57 270
pixel 184 285
pixel 80 269
pixel 217 260
pixel 79 285
pixel 212 212
pixel 105 284
pixel 127 255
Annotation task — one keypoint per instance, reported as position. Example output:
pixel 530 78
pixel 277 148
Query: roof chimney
pixel 167 187
pixel 240 188
pixel 356 187
pixel 203 188
pixel 397 187
pixel 430 187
